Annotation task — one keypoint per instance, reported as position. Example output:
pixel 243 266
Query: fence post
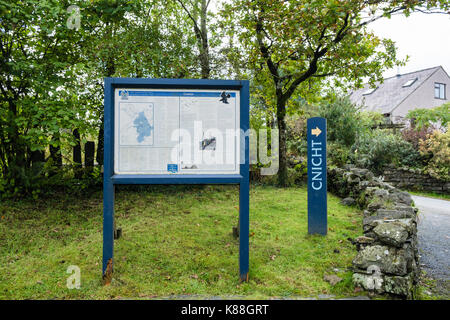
pixel 89 155
pixel 77 155
pixel 56 156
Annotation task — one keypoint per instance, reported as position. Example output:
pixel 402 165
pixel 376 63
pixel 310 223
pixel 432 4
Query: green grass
pixel 430 289
pixel 431 194
pixel 176 241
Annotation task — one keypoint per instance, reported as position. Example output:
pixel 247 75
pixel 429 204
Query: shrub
pixel 45 180
pixel 345 121
pixel 415 135
pixel 296 136
pixel 437 148
pixel 376 149
pixel 337 154
pixel 425 117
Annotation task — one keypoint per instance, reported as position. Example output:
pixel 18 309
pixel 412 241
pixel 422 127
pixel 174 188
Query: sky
pixel 425 38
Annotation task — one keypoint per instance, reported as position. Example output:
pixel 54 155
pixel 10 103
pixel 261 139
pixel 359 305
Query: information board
pixel 176 131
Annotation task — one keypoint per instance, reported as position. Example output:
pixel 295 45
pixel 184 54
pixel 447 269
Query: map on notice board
pixel 176 131
pixel 136 124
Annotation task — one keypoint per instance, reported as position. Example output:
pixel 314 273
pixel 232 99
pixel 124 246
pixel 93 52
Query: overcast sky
pixel 424 37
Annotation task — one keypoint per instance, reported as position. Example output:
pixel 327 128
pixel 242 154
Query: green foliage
pixel 429 117
pixel 437 149
pixel 38 105
pixel 292 47
pixel 300 173
pixel 51 76
pixel 344 120
pixel 43 180
pixel 375 149
pixel 296 136
pixel 337 154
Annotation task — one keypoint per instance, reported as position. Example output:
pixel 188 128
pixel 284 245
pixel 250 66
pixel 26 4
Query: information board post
pixel 317 175
pixel 144 143
pixel 244 192
pixel 108 186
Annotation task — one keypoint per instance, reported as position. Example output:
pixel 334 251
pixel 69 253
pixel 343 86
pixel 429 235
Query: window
pixel 439 90
pixel 409 83
pixel 369 91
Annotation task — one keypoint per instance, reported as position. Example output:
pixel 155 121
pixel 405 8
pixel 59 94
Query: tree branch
pixel 198 33
pixel 265 53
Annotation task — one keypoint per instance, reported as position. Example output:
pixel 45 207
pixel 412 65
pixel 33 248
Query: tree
pixel 38 59
pixel 197 12
pixel 296 44
pixel 51 75
pixel 131 39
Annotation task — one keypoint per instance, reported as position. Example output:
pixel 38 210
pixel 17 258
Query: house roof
pixel 389 94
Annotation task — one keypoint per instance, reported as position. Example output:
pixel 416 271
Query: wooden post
pixel 56 156
pixel 89 154
pixel 77 155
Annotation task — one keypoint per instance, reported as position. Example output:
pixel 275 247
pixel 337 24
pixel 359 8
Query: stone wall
pixel 387 259
pixel 414 179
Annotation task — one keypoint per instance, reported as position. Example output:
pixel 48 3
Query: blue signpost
pixel 317 175
pixel 111 178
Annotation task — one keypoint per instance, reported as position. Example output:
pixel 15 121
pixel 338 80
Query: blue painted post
pixel 244 192
pixel 317 175
pixel 108 186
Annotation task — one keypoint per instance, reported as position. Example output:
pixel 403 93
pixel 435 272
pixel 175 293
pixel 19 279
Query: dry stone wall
pixel 387 259
pixel 414 179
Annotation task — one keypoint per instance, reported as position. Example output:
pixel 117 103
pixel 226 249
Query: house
pixel 397 95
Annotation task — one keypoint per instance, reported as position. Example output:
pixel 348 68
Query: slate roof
pixel 389 94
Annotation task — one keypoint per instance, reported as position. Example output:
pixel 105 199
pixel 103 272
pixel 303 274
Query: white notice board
pixel 176 131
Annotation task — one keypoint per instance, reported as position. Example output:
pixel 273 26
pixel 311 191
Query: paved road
pixel 434 237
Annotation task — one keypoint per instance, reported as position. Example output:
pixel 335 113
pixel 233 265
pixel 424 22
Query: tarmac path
pixel 434 239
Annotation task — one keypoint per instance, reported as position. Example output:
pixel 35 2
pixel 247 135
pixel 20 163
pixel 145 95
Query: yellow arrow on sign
pixel 316 131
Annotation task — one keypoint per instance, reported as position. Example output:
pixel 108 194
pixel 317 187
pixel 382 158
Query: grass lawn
pixel 177 240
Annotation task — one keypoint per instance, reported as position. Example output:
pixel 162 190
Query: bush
pixel 376 149
pixel 437 148
pixel 45 180
pixel 337 154
pixel 296 136
pixel 415 135
pixel 428 117
pixel 345 121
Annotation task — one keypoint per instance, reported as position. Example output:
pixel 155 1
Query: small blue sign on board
pixel 172 167
pixel 317 175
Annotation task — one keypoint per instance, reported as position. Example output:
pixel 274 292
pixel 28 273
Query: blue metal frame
pixel 110 180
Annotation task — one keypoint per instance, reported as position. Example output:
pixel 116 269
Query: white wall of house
pixel 423 96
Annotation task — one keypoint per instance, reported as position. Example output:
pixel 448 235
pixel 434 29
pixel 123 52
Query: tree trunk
pixel 16 158
pixel 204 47
pixel 282 165
pixel 37 157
